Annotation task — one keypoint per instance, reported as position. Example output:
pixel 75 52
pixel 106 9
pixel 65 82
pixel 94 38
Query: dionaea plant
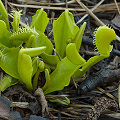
pixel 24 64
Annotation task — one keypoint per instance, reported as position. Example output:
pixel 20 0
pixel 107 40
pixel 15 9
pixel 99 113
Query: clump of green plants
pixel 23 63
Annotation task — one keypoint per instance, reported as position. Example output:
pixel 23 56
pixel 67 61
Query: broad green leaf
pixel 50 59
pixel 40 20
pixel 64 28
pixel 78 37
pixel 25 69
pixel 8 60
pixel 25 65
pixel 43 40
pixel 73 55
pixel 60 77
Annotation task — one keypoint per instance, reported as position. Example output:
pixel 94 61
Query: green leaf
pixel 87 65
pixel 4 34
pixel 103 37
pixel 8 60
pixel 41 66
pixel 47 83
pixel 16 20
pixel 31 42
pixel 2 28
pixel 32 52
pixel 73 55
pixel 59 99
pixel 35 79
pixel 3 11
pixel 34 65
pixel 64 28
pixel 40 20
pixel 60 77
pixel 78 37
pixel 23 34
pixel 6 82
pixel 50 59
pixel 43 40
pixel 4 14
pixel 25 69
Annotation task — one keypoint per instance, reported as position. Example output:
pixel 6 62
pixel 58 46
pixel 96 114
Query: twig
pixel 90 10
pixel 80 105
pixel 119 93
pixel 95 17
pixel 46 7
pixel 44 104
pixel 40 3
pixel 108 94
pixel 66 4
pixel 117 7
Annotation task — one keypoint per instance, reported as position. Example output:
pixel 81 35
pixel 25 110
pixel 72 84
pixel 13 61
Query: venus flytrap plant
pixel 23 64
pixel 65 68
pixel 21 67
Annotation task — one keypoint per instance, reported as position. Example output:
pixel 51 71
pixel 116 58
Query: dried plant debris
pixel 34 117
pixel 101 105
pixel 102 77
pixel 39 93
pixel 5 112
pixel 19 94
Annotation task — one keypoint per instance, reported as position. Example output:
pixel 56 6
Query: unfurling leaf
pixel 64 28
